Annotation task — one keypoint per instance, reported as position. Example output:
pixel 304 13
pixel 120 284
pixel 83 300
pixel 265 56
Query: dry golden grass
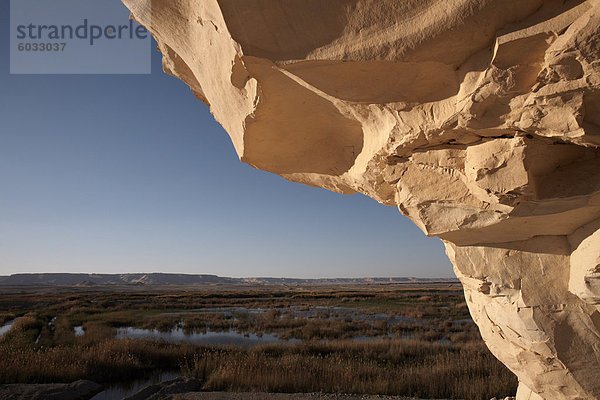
pixel 107 361
pixel 393 367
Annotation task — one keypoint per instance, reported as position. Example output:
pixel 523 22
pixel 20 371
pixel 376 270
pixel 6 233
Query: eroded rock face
pixel 478 119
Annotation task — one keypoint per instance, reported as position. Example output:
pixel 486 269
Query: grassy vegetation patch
pixel 363 339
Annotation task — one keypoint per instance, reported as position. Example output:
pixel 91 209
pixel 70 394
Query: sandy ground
pixel 188 389
pixel 280 396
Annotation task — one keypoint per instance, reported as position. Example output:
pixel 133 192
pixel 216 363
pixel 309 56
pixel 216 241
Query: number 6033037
pixel 41 46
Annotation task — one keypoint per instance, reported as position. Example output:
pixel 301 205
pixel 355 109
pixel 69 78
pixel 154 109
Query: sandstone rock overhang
pixel 478 119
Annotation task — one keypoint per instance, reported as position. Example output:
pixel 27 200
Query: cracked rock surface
pixel 478 119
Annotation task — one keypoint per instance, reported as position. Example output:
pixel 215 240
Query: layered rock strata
pixel 478 119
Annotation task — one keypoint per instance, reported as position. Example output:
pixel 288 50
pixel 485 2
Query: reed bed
pixel 392 367
pixel 426 347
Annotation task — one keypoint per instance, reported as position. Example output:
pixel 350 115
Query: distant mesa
pixel 91 280
pixel 87 283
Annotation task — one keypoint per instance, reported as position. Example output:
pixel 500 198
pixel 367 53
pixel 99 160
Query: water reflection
pixel 6 327
pixel 178 335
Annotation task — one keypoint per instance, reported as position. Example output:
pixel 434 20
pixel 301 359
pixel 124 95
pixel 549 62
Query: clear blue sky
pixel 130 173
